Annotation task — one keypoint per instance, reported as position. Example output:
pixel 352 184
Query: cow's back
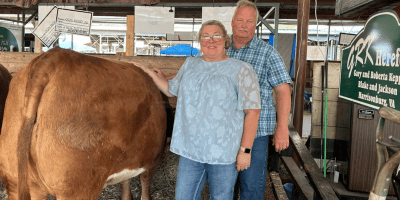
pixel 95 118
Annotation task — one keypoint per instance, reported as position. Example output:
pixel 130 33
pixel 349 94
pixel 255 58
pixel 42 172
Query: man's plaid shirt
pixel 271 71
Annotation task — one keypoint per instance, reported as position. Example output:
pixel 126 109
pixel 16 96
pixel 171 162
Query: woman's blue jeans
pixel 252 180
pixel 193 175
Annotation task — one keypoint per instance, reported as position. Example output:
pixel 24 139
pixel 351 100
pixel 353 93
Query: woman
pixel 216 116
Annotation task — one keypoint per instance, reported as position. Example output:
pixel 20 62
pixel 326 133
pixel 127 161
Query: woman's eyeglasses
pixel 215 38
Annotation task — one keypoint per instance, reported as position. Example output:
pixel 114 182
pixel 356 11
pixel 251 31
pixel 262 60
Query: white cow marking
pixel 123 175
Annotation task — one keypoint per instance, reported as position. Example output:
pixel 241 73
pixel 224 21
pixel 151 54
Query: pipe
pixel 381 151
pixel 326 95
pixel 383 178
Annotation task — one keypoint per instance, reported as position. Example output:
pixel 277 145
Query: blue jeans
pixel 192 176
pixel 252 180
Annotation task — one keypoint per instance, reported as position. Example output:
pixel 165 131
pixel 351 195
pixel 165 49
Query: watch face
pixel 246 150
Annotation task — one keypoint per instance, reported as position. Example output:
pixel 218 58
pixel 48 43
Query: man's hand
pixel 281 138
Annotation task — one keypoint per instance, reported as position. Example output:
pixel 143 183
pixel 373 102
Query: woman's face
pixel 212 43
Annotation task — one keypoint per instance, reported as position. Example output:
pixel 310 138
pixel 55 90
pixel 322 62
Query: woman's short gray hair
pixel 221 26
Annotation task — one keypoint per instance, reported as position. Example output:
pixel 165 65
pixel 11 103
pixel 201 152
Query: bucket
pixel 288 189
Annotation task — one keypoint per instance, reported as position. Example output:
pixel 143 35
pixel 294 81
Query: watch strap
pixel 245 150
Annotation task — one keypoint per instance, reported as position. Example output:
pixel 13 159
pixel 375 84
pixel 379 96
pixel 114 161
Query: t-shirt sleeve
pixel 248 89
pixel 173 84
pixel 277 73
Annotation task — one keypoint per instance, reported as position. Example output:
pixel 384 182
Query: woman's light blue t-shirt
pixel 209 116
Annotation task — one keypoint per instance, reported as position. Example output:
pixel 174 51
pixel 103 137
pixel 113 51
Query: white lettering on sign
pixel 355 51
pixel 379 76
pixel 388 59
pixel 394 78
pixel 387 90
pixel 374 99
pixel 391 103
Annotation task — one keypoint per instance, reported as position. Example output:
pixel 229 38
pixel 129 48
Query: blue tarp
pixel 180 49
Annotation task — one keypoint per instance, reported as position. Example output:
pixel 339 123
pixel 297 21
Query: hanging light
pixel 170 10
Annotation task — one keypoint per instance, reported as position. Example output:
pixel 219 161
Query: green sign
pixel 370 68
pixel 7 39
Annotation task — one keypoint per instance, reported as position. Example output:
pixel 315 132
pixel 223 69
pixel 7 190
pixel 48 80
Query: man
pixel 272 75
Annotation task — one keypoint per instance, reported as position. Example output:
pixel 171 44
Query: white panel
pixel 74 21
pixel 222 14
pixel 153 20
pixel 182 36
pixel 45 30
pixel 45 9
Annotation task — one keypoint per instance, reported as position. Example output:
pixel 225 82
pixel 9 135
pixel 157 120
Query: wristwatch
pixel 245 150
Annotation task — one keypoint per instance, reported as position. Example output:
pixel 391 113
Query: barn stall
pixel 163 184
pixel 164 188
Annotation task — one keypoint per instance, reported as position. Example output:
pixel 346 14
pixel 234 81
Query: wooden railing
pixel 311 182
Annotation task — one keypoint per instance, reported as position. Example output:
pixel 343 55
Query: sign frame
pixel 370 66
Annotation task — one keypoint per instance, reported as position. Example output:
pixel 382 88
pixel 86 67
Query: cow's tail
pixel 36 81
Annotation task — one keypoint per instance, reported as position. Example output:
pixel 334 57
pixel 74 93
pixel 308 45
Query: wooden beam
pixel 279 191
pixel 299 177
pixel 303 15
pixel 320 183
pixel 38 43
pixel 130 35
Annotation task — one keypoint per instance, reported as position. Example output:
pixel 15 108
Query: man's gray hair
pixel 246 3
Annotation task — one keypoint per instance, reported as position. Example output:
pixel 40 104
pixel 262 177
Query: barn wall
pixel 14 61
pixel 338 115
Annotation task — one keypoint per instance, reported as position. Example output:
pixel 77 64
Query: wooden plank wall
pixel 14 61
pixel 363 156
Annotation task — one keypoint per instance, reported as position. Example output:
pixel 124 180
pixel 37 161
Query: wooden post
pixel 303 15
pixel 130 35
pixel 38 43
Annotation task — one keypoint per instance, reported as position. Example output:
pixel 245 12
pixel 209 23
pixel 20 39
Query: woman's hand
pixel 161 83
pixel 145 69
pixel 243 160
pixel 159 73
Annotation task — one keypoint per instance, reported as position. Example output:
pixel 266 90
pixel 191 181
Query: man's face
pixel 244 23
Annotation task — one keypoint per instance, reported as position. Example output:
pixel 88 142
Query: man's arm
pixel 283 104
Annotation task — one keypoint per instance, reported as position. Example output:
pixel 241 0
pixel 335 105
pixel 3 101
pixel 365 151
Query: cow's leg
pixel 38 196
pixel 125 190
pixel 11 187
pixel 78 196
pixel 12 194
pixel 145 180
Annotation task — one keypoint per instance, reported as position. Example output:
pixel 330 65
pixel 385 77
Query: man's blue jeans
pixel 192 176
pixel 252 180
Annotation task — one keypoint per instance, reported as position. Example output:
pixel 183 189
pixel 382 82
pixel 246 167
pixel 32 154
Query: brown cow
pixel 75 123
pixel 5 78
